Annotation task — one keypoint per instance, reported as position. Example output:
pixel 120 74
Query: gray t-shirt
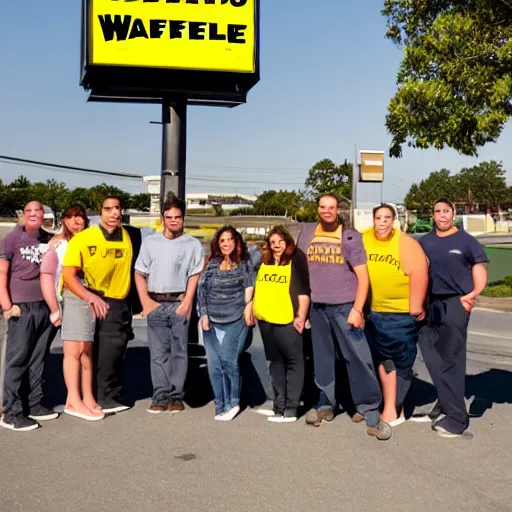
pixel 168 263
pixel 331 259
pixel 24 251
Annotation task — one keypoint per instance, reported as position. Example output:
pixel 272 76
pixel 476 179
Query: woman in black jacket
pixel 281 306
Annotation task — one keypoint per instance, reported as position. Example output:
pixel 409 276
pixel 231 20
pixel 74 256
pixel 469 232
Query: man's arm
pixel 6 254
pixel 355 254
pixel 194 272
pixel 479 283
pixel 148 304
pixel 188 299
pixel 363 285
pixel 355 317
pixel 479 279
pixel 477 256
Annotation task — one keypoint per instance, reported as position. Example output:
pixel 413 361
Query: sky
pixel 327 74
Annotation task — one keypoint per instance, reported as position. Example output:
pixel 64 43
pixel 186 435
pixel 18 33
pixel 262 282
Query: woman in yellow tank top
pixel 398 273
pixel 281 306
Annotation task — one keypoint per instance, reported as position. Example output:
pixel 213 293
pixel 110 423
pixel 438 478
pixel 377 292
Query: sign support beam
pixel 174 149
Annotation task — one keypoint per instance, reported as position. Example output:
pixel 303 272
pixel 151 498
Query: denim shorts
pixel 393 337
pixel 78 323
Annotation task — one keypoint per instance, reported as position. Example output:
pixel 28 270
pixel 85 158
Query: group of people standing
pixel 365 300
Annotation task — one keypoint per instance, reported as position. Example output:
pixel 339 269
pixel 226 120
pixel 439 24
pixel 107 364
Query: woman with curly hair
pixel 281 305
pixel 224 304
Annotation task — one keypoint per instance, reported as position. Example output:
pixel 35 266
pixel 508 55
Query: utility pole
pixel 355 179
pixel 174 148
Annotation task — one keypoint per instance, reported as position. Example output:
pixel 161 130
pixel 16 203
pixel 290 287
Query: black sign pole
pixel 174 149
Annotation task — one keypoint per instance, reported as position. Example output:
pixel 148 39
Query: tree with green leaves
pixel 325 177
pixel 100 192
pixel 140 202
pixel 20 182
pixel 483 184
pixel 455 79
pixel 281 203
pixel 422 196
pixel 81 196
pixel 51 193
pixel 15 195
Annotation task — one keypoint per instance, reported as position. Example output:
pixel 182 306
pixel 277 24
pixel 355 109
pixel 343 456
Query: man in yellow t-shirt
pixel 96 269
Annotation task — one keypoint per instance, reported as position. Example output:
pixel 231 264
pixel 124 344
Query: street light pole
pixel 355 179
pixel 174 149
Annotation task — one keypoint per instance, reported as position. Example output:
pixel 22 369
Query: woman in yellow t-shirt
pixel 281 305
pixel 398 272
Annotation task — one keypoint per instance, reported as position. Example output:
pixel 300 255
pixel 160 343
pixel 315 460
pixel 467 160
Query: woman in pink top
pixel 77 345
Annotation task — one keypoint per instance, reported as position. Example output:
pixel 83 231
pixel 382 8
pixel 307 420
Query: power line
pixel 9 159
pixel 60 167
pixel 243 168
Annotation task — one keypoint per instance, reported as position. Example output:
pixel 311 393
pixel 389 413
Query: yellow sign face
pixel 205 35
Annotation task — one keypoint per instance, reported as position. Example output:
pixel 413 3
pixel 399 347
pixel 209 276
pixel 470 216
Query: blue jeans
pixel 168 350
pixel 331 319
pixel 224 344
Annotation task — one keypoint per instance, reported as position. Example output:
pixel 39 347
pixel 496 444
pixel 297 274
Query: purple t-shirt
pixel 331 261
pixel 25 252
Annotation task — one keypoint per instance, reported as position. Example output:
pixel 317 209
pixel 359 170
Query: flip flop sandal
pixel 82 416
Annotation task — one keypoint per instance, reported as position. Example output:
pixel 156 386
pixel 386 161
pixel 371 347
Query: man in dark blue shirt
pixel 458 274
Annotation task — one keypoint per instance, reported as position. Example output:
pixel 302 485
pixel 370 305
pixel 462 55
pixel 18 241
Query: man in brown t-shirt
pixel 339 288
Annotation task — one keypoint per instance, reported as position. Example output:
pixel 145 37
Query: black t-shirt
pixel 451 261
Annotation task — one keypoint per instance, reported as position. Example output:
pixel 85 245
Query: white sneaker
pixel 432 416
pixel 398 421
pixel 279 418
pixel 229 415
pixel 442 432
pixel 264 412
pixel 423 418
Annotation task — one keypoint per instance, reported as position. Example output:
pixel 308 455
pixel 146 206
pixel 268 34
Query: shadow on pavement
pixel 491 387
pixel 137 379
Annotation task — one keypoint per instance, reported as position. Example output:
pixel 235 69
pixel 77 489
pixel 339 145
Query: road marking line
pixel 489 310
pixel 488 335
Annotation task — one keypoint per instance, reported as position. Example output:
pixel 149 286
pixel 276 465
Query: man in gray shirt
pixel 166 275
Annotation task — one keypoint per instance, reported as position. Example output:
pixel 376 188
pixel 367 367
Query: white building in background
pixel 199 201
pixel 153 184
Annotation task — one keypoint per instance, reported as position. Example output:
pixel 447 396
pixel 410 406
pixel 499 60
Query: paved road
pixel 135 461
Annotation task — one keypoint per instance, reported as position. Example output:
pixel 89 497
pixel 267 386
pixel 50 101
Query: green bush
pixel 242 211
pixel 508 281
